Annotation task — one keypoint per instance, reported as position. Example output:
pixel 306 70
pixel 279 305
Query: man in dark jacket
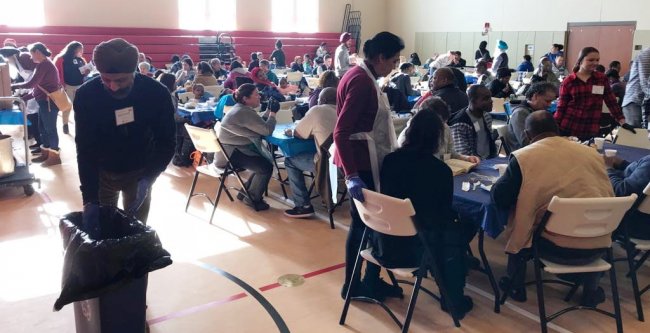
pixel 444 86
pixel 628 178
pixel 125 133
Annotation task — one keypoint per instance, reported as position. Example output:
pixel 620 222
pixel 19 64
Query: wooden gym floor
pixel 203 290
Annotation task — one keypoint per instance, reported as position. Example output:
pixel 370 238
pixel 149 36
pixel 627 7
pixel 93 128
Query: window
pixel 13 13
pixel 294 15
pixel 207 14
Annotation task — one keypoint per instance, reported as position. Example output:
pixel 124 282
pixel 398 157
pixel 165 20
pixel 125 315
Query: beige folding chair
pixel 579 218
pixel 214 90
pixel 185 97
pixel 294 77
pixel 206 141
pixel 498 105
pixel 394 217
pixel 637 247
pixel 284 116
pixel 638 140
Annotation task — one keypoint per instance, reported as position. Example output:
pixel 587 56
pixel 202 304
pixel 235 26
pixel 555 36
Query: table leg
pixel 488 271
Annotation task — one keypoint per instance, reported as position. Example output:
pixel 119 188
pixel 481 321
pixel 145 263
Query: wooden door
pixel 614 40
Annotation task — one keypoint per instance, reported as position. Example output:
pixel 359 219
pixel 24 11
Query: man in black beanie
pixel 125 133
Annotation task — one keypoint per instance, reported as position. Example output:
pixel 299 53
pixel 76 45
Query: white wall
pixel 408 17
pixel 252 15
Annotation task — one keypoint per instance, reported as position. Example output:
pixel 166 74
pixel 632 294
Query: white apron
pixel 381 140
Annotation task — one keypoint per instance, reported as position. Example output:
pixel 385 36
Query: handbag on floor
pixel 60 98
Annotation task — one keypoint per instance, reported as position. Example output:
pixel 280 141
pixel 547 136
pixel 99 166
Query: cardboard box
pixel 5 86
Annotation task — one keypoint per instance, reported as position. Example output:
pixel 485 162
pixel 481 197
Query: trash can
pixel 106 276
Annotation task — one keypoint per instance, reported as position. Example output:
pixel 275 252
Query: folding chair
pixel 206 141
pixel 627 138
pixel 185 97
pixel 502 132
pixel 214 90
pixel 637 247
pixel 294 77
pixel 395 217
pixel 578 218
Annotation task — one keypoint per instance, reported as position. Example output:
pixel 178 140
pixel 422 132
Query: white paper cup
pixel 502 168
pixel 610 152
pixel 599 143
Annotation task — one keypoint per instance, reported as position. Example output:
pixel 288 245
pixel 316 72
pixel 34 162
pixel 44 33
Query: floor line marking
pixel 195 309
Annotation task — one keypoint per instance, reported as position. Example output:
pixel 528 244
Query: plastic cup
pixel 599 143
pixel 610 152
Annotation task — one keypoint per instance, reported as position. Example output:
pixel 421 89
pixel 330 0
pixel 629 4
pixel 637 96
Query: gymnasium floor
pixel 203 290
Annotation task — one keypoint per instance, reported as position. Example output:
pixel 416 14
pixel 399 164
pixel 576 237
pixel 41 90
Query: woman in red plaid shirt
pixel 582 93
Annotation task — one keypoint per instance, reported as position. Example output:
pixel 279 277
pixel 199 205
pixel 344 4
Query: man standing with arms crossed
pixel 125 133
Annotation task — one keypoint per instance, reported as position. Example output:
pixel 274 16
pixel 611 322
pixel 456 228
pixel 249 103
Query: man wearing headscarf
pixel 125 133
pixel 342 54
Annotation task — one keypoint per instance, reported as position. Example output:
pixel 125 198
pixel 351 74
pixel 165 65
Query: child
pixel 285 88
pixel 200 94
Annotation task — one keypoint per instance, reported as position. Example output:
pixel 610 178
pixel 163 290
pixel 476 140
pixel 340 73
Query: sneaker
pixel 516 294
pixel 382 287
pixel 594 298
pixel 66 129
pixel 362 290
pixel 36 145
pixel 300 212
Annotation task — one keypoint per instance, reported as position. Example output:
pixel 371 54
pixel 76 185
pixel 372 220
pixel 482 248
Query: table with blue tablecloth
pixel 196 116
pixel 290 146
pixel 627 153
pixel 475 205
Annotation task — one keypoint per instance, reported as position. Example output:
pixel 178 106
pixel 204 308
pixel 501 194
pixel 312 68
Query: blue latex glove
pixel 355 185
pixel 144 185
pixel 90 220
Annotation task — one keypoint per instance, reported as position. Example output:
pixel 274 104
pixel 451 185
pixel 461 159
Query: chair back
pixel 284 116
pixel 287 105
pixel 388 215
pixel 185 97
pixel 279 71
pixel 204 139
pixel 214 90
pixel 587 217
pixel 294 76
pixel 644 206
pixel 627 138
pixel 498 105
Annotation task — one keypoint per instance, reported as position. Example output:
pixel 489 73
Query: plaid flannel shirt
pixel 464 134
pixel 579 110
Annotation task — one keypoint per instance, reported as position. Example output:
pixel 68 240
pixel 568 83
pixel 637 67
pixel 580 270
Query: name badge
pixel 477 126
pixel 124 116
pixel 598 90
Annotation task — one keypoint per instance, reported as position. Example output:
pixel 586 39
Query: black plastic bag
pixel 125 250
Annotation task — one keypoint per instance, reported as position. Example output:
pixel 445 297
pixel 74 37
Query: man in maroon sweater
pixel 364 120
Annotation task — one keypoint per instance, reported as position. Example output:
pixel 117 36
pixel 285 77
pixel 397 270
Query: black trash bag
pixel 125 250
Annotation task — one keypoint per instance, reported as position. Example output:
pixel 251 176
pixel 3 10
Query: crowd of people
pixel 129 109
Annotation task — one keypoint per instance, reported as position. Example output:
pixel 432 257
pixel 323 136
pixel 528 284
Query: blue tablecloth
pixel 11 117
pixel 290 146
pixel 629 154
pixel 476 205
pixel 470 79
pixel 197 116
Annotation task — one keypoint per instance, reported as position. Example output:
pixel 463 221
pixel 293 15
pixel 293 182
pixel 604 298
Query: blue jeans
pixel 47 114
pixel 296 165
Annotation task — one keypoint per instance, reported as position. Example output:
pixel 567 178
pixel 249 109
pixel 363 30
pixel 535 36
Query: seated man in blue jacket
pixel 628 178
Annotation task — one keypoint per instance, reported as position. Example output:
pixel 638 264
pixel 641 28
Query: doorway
pixel 614 40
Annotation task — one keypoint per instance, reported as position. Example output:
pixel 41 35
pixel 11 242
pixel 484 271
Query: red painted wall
pixel 161 44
